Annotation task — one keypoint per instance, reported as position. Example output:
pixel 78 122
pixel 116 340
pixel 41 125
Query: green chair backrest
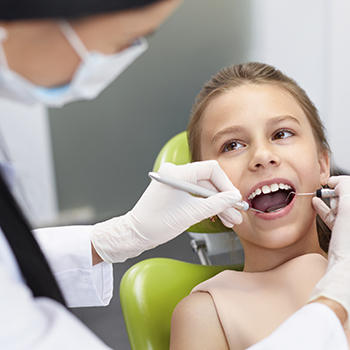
pixel 175 151
pixel 149 292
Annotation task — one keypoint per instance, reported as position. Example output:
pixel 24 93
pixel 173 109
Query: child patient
pixel 266 135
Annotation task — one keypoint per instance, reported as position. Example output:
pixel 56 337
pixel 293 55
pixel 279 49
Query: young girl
pixel 267 136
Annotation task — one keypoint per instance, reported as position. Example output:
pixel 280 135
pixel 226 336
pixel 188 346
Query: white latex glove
pixel 335 284
pixel 162 213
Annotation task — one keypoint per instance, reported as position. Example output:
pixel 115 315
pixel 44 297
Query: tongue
pixel 270 202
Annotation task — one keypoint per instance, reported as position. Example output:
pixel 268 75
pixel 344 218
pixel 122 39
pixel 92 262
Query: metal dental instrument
pixel 320 193
pixel 191 188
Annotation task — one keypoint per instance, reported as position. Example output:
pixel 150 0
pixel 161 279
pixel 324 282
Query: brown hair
pixel 258 74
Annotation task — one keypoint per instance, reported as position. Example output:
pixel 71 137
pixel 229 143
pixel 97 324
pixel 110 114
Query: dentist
pixel 54 52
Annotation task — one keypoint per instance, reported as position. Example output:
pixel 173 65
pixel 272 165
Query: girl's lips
pixel 277 214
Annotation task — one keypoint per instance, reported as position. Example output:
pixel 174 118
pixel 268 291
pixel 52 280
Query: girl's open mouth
pixel 271 198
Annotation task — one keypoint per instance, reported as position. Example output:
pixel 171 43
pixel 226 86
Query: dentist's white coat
pixel 41 323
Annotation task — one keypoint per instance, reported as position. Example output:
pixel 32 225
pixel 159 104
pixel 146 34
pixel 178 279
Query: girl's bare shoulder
pixel 304 265
pixel 195 324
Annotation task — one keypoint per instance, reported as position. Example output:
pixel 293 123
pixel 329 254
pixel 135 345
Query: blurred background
pixel 89 161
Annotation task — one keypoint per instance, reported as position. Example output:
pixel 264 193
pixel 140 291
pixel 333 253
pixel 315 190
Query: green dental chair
pixel 150 290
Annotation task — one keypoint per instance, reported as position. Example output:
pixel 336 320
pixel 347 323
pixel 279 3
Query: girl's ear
pixel 324 165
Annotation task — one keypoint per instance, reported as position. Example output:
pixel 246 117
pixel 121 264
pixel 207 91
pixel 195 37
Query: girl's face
pixel 263 141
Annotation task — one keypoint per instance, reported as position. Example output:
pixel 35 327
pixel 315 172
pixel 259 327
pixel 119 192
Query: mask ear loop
pixel 74 40
pixel 3 37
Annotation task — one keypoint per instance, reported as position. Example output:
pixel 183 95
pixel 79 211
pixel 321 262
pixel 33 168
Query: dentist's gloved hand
pixel 163 212
pixel 335 284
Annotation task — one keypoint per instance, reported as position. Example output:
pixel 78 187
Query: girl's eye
pixel 282 134
pixel 232 146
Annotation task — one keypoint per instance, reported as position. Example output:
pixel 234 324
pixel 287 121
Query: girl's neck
pixel 259 259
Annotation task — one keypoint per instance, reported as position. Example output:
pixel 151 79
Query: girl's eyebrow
pixel 283 118
pixel 238 129
pixel 229 130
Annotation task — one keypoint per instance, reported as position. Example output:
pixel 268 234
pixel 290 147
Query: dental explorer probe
pixel 320 193
pixel 191 188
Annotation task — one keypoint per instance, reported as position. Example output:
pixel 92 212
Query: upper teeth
pixel 267 189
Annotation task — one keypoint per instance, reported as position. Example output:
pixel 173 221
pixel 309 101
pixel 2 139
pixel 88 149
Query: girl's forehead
pixel 250 102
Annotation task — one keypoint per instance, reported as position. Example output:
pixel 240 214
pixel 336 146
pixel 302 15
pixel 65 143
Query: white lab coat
pixel 41 323
pixel 314 326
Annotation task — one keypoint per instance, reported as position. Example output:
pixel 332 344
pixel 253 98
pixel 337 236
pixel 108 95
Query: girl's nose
pixel 264 156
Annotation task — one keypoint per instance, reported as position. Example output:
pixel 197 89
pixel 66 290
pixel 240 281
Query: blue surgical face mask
pixel 95 73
